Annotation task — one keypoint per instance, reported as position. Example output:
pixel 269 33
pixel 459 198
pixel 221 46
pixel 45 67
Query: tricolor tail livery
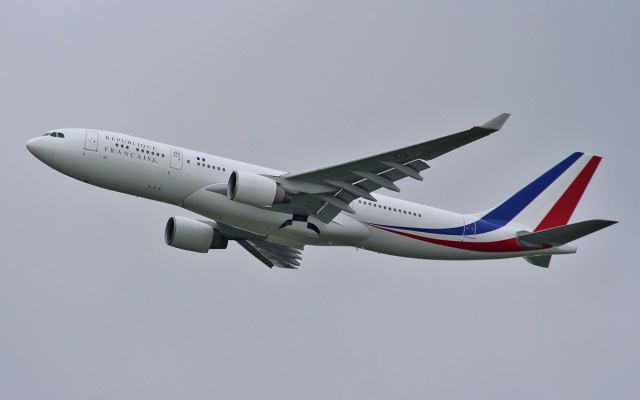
pixel 550 200
pixel 535 218
pixel 549 210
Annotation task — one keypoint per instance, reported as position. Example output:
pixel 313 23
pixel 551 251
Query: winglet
pixel 496 123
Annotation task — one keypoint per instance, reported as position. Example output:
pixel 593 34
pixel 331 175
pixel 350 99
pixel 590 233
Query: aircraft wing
pixel 272 254
pixel 328 191
pixel 269 253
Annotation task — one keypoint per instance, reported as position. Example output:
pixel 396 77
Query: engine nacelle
pixel 255 190
pixel 193 235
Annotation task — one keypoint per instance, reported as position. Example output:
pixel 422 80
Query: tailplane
pixel 543 260
pixel 555 237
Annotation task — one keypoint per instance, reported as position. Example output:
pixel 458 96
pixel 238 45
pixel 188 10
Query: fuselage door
pixel 469 227
pixel 91 140
pixel 176 159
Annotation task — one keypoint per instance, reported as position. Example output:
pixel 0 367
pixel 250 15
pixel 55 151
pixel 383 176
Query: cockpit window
pixel 54 134
pixel 61 135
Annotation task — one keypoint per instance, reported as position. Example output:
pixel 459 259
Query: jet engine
pixel 193 235
pixel 255 190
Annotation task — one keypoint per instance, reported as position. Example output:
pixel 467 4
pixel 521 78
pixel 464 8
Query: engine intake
pixel 193 235
pixel 255 190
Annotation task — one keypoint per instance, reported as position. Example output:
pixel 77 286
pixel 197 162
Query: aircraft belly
pixel 343 230
pixel 384 242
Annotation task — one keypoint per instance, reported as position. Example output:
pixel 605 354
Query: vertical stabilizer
pixel 549 201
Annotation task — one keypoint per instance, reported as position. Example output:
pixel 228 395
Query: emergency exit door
pixel 91 140
pixel 469 230
pixel 176 159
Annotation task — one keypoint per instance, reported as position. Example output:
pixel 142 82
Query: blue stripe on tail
pixel 507 211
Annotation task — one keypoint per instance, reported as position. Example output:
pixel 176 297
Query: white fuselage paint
pixel 175 175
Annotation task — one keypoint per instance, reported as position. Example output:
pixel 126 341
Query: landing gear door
pixel 176 159
pixel 91 140
pixel 469 228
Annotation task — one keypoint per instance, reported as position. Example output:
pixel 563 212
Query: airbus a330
pixel 274 214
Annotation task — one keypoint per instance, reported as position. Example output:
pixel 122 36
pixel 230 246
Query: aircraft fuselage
pixel 197 182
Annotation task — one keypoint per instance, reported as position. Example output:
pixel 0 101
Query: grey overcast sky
pixel 94 305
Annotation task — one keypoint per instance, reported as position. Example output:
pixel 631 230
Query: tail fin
pixel 549 201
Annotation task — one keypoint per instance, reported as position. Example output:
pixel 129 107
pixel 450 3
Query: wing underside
pixel 272 254
pixel 269 253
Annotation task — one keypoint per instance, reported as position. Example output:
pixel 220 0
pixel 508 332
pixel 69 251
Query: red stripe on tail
pixel 561 212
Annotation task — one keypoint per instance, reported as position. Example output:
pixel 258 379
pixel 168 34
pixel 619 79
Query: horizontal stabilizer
pixel 539 261
pixel 562 234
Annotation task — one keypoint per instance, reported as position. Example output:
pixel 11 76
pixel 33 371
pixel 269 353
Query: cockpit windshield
pixel 54 134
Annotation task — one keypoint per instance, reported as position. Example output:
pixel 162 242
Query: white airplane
pixel 274 214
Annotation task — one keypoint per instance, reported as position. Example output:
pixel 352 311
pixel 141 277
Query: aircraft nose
pixel 38 149
pixel 31 144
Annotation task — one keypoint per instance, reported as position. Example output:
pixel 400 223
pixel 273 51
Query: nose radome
pixel 31 145
pixel 38 149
